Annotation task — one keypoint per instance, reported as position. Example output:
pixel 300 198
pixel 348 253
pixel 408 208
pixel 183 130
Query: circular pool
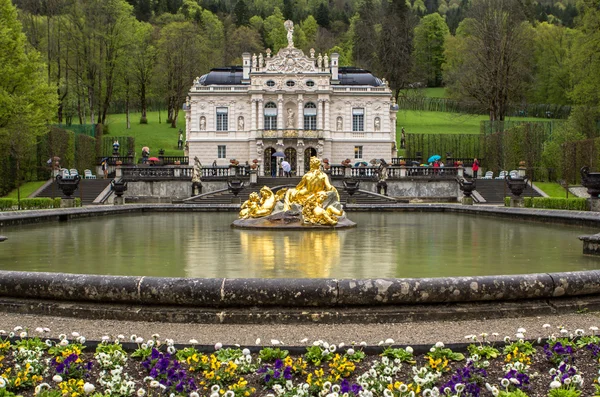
pixel 384 245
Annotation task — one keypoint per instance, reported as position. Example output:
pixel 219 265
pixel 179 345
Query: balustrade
pixel 112 160
pixel 156 173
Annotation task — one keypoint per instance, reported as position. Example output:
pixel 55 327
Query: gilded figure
pixel 314 181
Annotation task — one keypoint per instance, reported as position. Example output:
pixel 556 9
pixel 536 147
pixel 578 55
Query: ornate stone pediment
pixel 290 60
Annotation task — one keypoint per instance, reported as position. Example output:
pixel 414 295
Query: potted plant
pixel 177 162
pixel 347 163
pixel 234 162
pixel 254 164
pixel 522 164
pixel 402 163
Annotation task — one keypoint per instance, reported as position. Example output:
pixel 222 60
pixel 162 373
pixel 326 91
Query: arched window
pixel 270 116
pixel 310 116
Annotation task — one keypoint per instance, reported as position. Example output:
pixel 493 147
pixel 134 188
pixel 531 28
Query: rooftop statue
pixel 289 26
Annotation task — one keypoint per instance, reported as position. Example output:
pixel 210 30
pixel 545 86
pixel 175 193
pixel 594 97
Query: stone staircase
pixel 494 191
pixel 225 197
pixel 87 190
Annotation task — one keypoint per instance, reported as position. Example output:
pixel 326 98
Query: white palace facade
pixel 290 103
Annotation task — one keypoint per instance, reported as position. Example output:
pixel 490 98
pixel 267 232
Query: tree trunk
pixel 144 118
pixel 127 103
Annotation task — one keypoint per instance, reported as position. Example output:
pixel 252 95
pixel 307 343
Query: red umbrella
pixel 153 159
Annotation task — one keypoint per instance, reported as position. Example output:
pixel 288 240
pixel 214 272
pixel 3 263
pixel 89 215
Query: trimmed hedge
pixel 553 203
pixel 8 204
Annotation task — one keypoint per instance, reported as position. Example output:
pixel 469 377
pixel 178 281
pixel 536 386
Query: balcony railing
pixel 154 173
pixel 291 133
pixel 112 160
pixel 393 172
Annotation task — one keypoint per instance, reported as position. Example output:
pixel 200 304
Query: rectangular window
pixel 221 152
pixel 222 124
pixel 270 122
pixel 358 119
pixel 358 152
pixel 310 122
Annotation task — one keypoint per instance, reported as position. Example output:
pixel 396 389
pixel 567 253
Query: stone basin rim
pixel 294 292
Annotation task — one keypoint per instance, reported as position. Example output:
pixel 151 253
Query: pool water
pixel 383 245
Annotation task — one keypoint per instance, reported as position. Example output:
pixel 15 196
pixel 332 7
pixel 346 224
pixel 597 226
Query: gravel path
pixel 246 335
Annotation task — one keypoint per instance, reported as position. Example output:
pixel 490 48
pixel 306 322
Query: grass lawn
pixel 425 122
pixel 155 135
pixel 26 189
pixel 436 92
pixel 552 189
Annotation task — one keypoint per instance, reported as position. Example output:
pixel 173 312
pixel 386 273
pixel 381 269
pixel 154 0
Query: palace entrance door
pixel 270 162
pixel 308 153
pixel 290 155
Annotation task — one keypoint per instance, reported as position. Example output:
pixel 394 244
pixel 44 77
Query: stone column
pixel 327 116
pixel 300 120
pixel 261 114
pixel 594 204
pixel 280 120
pixel 320 114
pixel 253 118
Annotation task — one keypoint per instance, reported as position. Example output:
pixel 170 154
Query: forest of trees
pixel 99 53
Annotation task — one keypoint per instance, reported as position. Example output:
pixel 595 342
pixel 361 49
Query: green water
pixel 383 245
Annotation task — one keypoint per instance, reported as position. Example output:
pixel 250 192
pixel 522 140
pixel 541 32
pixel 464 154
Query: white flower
pixel 57 378
pixel 64 342
pixel 439 345
pixel 2 332
pixel 593 329
pixel 389 341
pixel 546 326
pixel 193 342
pixel 81 340
pixel 275 342
pixel 521 330
pixel 341 345
pixel 363 343
pixel 229 393
pixel 121 336
pixel 105 338
pixel 139 339
pixel 520 335
pixel 133 337
pixel 2 383
pixel 141 392
pixel 171 349
pixel 326 345
pixel 332 348
pixel 257 341
pixel 39 330
pixel 150 343
pixel 564 331
pixel 388 393
pixel 169 342
pixel 23 334
pixel 555 384
pixel 154 384
pixel 218 345
pixel 495 334
pixel 459 387
pixel 246 352
pixel 567 381
pixel 75 334
pixel 409 349
pixel 432 349
pixel 155 336
pixel 194 394
pixel 350 351
pixel 17 328
pixel 579 332
pixel 88 388
pixel 304 340
pixel 62 336
pixel 48 342
pixel 507 339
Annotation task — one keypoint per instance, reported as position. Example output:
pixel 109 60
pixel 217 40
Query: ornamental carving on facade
pixel 290 60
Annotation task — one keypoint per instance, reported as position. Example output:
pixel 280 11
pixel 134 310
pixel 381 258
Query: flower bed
pixel 563 365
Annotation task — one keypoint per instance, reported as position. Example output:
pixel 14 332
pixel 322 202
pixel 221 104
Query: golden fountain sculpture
pixel 314 201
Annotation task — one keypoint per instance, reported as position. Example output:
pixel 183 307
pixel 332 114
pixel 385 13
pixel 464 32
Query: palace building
pixel 291 105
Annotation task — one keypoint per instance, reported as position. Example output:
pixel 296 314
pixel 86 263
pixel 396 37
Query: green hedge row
pixel 553 203
pixel 7 204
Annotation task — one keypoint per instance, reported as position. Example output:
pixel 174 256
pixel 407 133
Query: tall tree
pixel 395 45
pixel 364 35
pixel 585 69
pixel 322 15
pixel 27 101
pixel 430 36
pixel 275 33
pixel 240 11
pixel 143 59
pixel 493 66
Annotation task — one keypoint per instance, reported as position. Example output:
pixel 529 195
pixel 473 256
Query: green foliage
pixel 557 203
pixel 37 203
pixel 109 348
pixel 522 347
pixel 56 202
pixel 485 351
pixel 5 393
pixel 507 201
pixel 30 344
pixel 568 392
pixel 400 354
pixel 445 353
pixel 317 354
pixel 357 357
pixel 430 36
pixel 229 354
pixel 7 204
pixel 275 32
pixel 269 354
pixel 514 393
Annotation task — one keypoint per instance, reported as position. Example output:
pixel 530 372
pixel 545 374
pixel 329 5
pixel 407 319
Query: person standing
pixel 475 167
pixel 287 168
pixel 105 169
pixel 403 139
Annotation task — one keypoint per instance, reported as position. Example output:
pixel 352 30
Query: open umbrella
pixel 154 159
pixel 278 154
pixel 433 158
pixel 359 163
pixel 374 161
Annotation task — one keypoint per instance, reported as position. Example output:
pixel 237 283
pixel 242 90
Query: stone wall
pixel 412 188
pixel 157 191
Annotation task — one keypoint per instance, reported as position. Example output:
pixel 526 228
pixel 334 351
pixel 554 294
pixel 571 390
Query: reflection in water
pixel 303 253
pixel 383 245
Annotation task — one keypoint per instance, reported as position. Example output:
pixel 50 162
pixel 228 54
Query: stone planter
pixel 119 187
pixel 591 180
pixel 467 187
pixel 516 185
pixel 235 187
pixel 68 185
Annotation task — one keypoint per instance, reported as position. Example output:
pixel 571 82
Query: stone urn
pixel 351 186
pixel 235 186
pixel 466 186
pixel 68 185
pixel 591 180
pixel 118 187
pixel 516 185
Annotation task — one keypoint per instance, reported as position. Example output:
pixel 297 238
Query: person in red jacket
pixel 475 168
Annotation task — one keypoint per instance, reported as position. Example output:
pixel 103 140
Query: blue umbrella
pixel 278 154
pixel 433 158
